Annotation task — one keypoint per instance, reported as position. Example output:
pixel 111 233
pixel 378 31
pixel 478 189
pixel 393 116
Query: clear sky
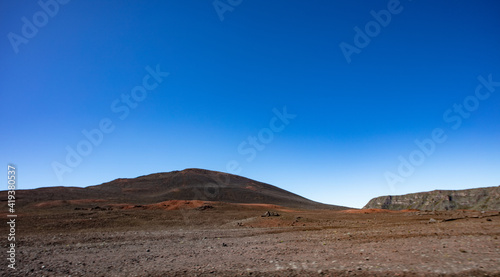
pixel 321 98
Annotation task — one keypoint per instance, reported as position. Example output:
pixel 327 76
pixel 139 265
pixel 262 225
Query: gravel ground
pixel 294 244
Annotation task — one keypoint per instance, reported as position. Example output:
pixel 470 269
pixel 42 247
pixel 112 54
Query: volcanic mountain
pixel 188 184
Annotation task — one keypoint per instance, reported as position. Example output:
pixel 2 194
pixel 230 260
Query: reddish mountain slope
pixel 189 184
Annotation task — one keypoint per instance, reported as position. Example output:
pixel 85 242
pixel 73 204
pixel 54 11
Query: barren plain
pixel 203 238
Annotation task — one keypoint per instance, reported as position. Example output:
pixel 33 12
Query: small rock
pixel 204 207
pixel 432 220
pixel 268 214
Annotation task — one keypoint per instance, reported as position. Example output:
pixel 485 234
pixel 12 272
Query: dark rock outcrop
pixel 269 214
pixel 470 199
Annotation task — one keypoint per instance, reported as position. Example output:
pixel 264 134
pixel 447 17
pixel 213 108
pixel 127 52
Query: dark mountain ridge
pixel 188 184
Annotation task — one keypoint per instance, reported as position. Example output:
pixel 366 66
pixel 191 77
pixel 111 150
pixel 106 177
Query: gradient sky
pixel 353 120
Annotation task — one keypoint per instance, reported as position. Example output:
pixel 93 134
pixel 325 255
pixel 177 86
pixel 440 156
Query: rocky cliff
pixel 471 199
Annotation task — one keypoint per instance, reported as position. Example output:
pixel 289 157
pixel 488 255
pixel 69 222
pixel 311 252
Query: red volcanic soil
pixel 266 206
pixel 232 226
pixel 189 184
pixel 373 211
pixel 59 203
pixel 177 238
pixel 173 205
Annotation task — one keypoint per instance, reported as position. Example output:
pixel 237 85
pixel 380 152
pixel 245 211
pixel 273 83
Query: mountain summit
pixel 188 184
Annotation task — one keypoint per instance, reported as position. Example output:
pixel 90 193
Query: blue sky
pixel 354 116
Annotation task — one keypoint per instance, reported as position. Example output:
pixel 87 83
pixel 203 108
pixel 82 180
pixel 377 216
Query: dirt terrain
pixel 203 238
